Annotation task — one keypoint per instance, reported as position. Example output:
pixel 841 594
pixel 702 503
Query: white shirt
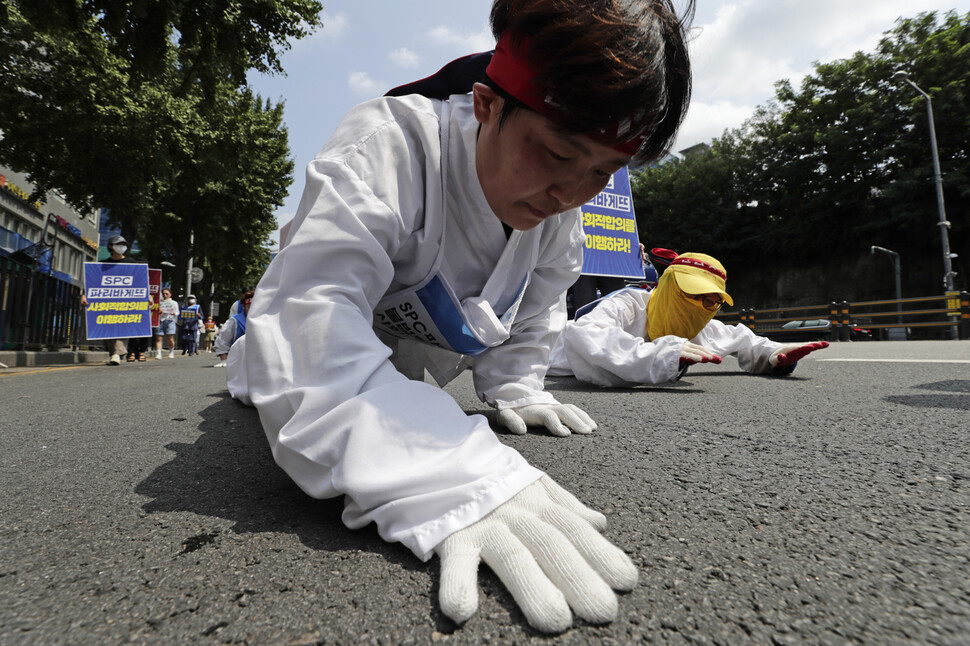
pixel 340 418
pixel 607 347
pixel 225 337
pixel 168 310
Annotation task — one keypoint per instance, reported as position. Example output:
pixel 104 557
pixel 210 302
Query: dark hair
pixel 606 60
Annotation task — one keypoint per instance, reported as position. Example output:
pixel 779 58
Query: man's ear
pixel 488 104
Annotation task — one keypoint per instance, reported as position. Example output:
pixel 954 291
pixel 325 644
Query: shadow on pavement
pixel 229 473
pixel 571 384
pixel 948 386
pixel 949 400
pixel 954 402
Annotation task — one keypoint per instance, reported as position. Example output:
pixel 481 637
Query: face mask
pixel 120 249
pixel 670 312
pixel 191 301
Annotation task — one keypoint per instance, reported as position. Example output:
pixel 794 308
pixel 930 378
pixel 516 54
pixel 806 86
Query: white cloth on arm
pixel 341 420
pixel 227 334
pixel 607 346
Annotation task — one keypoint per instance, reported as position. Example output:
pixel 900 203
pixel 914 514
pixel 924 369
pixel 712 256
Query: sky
pixel 738 48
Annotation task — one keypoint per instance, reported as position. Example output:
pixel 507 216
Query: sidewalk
pixel 16 361
pixel 32 359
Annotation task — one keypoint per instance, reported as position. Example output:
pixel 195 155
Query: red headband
pixel 511 71
pixel 700 264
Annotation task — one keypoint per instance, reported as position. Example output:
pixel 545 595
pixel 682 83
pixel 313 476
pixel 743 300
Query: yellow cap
pixel 698 273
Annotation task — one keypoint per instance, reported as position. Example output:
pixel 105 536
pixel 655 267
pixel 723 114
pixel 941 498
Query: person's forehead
pixel 584 144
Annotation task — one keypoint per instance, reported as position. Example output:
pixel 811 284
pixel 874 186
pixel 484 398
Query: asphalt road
pixel 141 505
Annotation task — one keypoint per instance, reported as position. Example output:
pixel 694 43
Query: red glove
pixel 691 353
pixel 790 353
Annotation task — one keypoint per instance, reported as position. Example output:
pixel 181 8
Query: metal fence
pixel 40 311
pixel 887 319
pixel 37 310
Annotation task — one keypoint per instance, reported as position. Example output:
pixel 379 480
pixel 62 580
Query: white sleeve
pixel 339 418
pixel 225 337
pixel 752 351
pixel 606 346
pixel 512 374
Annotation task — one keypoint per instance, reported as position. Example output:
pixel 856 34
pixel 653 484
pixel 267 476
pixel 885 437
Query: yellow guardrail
pixel 953 312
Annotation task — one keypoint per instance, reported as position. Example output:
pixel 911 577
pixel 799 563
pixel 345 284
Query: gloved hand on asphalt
pixel 559 419
pixel 546 548
pixel 691 353
pixel 790 353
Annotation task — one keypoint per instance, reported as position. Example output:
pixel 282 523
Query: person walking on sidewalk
pixel 133 348
pixel 168 314
pixel 189 320
pixel 210 334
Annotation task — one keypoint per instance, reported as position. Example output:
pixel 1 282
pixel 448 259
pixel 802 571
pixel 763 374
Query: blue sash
pixel 240 320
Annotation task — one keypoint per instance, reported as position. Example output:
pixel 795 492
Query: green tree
pixel 234 174
pixel 827 170
pixel 110 101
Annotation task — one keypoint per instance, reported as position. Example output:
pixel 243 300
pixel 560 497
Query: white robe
pixel 607 347
pixel 340 418
pixel 225 338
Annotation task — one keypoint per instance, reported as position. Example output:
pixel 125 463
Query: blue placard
pixel 612 243
pixel 118 303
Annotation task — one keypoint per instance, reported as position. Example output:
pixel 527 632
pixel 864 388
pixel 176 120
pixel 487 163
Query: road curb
pixel 30 359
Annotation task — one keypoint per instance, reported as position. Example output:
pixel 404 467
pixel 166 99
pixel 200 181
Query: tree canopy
pixel 823 172
pixel 141 108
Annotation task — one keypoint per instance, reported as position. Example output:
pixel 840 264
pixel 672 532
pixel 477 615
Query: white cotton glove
pixel 691 353
pixel 544 546
pixel 558 418
pixel 221 364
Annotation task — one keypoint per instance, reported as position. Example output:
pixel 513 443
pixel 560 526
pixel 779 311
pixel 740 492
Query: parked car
pixel 814 330
pixel 860 334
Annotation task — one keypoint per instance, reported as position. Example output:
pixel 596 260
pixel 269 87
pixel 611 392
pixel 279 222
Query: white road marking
pixel 901 360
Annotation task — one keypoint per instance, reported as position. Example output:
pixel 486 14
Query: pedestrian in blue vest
pixel 234 328
pixel 190 318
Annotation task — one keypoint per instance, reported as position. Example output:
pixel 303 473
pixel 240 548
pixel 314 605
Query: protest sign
pixel 118 303
pixel 612 243
pixel 155 292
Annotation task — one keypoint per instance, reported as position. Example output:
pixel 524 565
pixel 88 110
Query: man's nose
pixel 565 191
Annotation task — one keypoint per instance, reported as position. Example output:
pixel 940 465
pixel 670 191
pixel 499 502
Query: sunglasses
pixel 710 302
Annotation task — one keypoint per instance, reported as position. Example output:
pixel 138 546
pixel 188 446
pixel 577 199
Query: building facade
pixel 71 236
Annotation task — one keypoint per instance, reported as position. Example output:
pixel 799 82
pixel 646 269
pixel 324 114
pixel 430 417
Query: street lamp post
pixel 188 272
pixel 894 255
pixel 944 224
pixel 166 263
